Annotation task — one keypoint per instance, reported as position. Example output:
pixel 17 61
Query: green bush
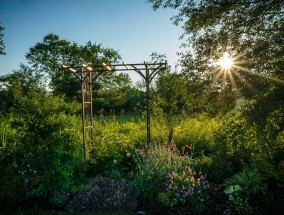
pixel 198 132
pixel 47 147
pixel 167 173
pixel 241 189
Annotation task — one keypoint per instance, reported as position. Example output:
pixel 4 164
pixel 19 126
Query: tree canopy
pixel 48 56
pixel 250 32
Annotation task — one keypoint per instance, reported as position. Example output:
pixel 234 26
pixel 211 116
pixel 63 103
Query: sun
pixel 226 62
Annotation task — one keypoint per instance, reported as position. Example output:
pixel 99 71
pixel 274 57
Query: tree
pixel 170 100
pixel 113 95
pixel 48 56
pixel 2 45
pixel 250 31
pixel 109 88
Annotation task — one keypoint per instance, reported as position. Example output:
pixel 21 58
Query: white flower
pixel 114 161
pixel 128 154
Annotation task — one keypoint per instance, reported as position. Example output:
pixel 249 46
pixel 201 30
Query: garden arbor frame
pixel 84 73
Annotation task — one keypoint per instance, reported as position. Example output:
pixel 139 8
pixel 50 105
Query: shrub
pixel 167 173
pixel 104 194
pixel 47 148
pixel 241 189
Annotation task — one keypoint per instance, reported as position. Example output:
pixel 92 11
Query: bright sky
pixel 129 26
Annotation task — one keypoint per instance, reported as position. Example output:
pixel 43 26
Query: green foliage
pixel 48 56
pixel 241 189
pixel 114 143
pixel 4 129
pixel 238 141
pixel 116 95
pixel 253 40
pixel 16 85
pixel 60 197
pixel 167 173
pixel 198 132
pixel 249 180
pixel 43 150
pixel 40 138
pixel 153 166
pixel 46 147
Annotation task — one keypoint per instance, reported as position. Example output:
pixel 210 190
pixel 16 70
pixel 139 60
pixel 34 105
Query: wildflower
pixel 114 161
pixel 171 176
pixel 128 154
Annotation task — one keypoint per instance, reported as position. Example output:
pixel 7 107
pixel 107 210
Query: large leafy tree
pixel 251 32
pixel 2 45
pixel 48 56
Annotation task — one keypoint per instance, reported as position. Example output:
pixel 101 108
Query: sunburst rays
pixel 230 69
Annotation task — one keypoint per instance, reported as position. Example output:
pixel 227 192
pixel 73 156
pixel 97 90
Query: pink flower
pixel 171 176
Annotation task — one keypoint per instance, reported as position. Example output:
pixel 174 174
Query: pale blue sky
pixel 129 26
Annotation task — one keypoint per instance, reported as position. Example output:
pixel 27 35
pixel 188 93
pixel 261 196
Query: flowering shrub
pixel 186 186
pixel 165 172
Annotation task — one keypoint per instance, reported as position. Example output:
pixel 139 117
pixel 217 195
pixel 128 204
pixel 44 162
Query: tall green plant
pixel 48 146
